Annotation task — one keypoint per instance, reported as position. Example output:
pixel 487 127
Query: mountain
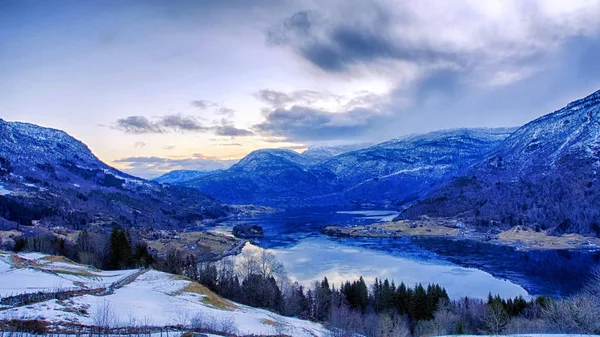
pixel 318 154
pixel 390 173
pixel 400 170
pixel 47 174
pixel 544 176
pixel 267 177
pixel 180 176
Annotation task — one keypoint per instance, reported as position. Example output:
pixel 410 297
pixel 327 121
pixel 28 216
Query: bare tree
pixel 104 315
pixel 392 325
pixel 262 262
pixel 496 318
pixel 345 321
pixel 574 315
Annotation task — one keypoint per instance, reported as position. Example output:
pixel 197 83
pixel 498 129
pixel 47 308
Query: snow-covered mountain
pixel 180 176
pixel 318 154
pixel 401 169
pixel 47 174
pixel 388 173
pixel 267 177
pixel 545 175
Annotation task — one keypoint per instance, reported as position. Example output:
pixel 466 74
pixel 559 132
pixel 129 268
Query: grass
pixel 82 273
pixel 531 239
pixel 270 322
pixel 209 298
pixel 54 258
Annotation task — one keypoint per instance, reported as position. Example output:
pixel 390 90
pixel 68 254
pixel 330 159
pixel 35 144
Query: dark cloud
pixel 169 123
pixel 223 111
pixel 202 104
pixel 276 98
pixel 228 129
pixel 334 46
pixel 181 123
pixel 151 167
pixel 137 124
pixel 178 123
pixel 139 144
pixel 300 123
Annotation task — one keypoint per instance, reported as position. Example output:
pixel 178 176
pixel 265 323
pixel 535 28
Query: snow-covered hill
pixel 148 297
pixel 45 173
pixel 545 176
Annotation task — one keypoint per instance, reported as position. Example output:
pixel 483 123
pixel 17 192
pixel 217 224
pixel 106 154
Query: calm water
pixel 462 267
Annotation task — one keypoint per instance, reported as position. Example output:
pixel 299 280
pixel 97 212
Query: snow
pixel 155 297
pixel 4 191
pixel 45 275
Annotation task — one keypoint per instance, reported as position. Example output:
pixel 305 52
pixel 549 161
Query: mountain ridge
pixel 46 174
pixel 544 176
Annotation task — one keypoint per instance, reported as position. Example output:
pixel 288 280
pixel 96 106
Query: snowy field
pixel 33 272
pixel 153 299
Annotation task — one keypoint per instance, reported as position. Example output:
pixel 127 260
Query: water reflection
pixel 462 267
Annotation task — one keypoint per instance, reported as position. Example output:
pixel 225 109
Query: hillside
pixel 130 298
pixel 387 174
pixel 544 176
pixel 47 175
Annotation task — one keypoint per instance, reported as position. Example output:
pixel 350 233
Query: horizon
pixel 198 85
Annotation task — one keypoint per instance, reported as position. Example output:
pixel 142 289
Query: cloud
pixel 301 123
pixel 218 109
pixel 226 128
pixel 151 167
pixel 202 104
pixel 139 144
pixel 168 123
pixel 181 123
pixel 226 112
pixel 137 125
pixel 169 147
pixel 229 144
pixel 276 98
pixel 178 123
pixel 497 41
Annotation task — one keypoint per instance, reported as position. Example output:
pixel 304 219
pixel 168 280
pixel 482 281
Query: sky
pixel 151 86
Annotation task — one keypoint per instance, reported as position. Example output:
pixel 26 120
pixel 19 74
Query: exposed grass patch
pixel 55 258
pixel 209 298
pixel 270 322
pixel 82 273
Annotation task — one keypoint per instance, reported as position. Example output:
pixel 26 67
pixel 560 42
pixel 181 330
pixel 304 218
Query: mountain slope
pixel 385 174
pixel 47 174
pixel 180 176
pixel 401 169
pixel 545 175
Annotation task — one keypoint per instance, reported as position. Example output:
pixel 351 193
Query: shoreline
pixel 516 237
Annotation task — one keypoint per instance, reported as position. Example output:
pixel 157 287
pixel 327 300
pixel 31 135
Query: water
pixel 464 268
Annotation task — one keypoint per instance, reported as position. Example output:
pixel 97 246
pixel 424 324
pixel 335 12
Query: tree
pixel 496 318
pixel 120 256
